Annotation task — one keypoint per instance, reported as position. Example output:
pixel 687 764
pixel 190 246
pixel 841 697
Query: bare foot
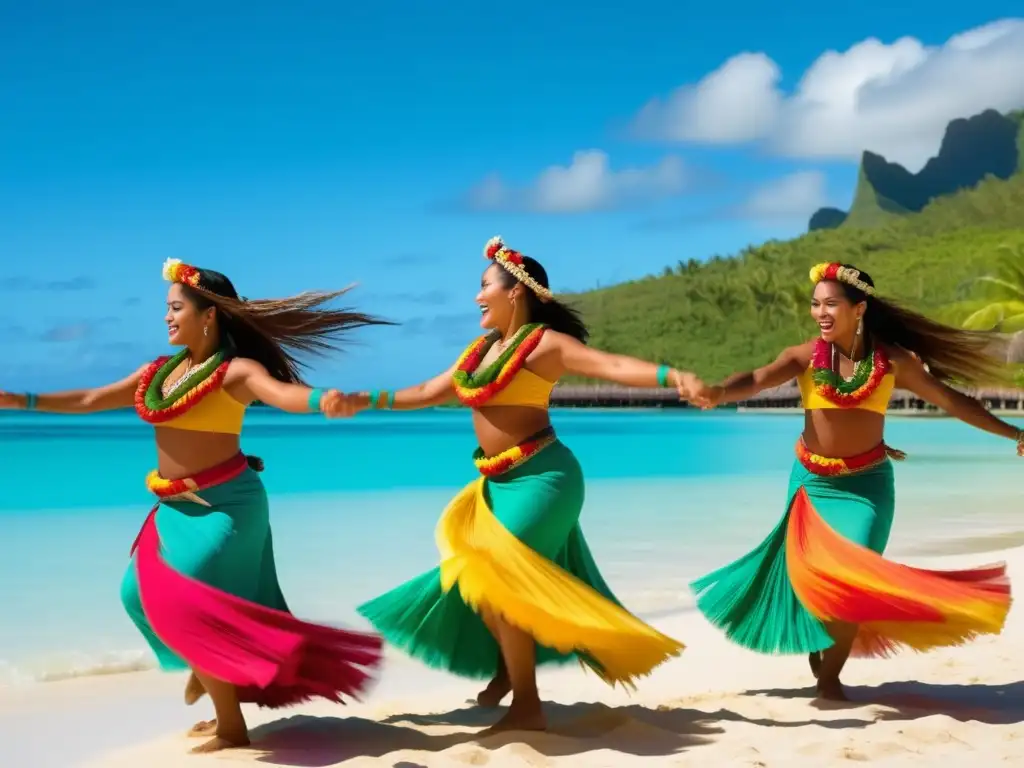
pixel 528 717
pixel 831 690
pixel 815 662
pixel 203 728
pixel 194 690
pixel 218 743
pixel 495 691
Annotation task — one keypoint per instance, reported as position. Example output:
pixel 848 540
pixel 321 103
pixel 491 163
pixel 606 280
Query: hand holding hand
pixel 686 384
pixel 708 397
pixel 336 405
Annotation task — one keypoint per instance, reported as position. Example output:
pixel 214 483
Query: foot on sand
pixel 495 691
pixel 525 717
pixel 815 662
pixel 219 743
pixel 831 690
pixel 194 690
pixel 203 728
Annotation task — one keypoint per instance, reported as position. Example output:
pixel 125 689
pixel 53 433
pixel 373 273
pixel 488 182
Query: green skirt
pixel 823 563
pixel 512 544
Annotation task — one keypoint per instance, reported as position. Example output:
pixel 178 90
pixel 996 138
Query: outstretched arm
pixel 912 375
pixel 120 394
pixel 743 386
pixel 576 357
pixel 249 380
pixel 433 392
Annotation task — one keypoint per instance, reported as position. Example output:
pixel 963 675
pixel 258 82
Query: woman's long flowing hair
pixel 276 332
pixel 954 355
pixel 555 314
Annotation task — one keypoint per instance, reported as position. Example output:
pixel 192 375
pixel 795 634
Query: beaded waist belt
pixel 511 458
pixel 186 488
pixel 823 465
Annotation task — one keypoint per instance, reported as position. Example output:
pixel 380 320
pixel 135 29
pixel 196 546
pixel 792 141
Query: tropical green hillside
pixel 730 314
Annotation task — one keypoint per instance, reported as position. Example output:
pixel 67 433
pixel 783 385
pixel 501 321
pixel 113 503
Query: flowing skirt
pixel 512 544
pixel 202 589
pixel 823 563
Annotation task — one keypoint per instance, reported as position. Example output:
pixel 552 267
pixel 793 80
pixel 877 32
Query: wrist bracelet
pixel 30 401
pixel 315 395
pixel 663 371
pixel 389 400
pixel 374 399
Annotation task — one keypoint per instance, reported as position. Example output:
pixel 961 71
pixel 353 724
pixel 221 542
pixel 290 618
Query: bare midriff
pixel 501 427
pixel 841 433
pixel 182 453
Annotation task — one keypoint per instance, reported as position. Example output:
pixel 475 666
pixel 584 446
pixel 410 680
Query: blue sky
pixel 301 145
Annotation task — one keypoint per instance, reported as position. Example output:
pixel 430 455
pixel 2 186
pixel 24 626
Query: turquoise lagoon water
pixel 670 495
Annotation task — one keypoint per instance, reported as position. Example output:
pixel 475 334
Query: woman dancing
pixel 517 585
pixel 202 586
pixel 818 584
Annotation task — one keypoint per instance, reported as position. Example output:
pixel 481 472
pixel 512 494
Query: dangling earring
pixel 860 326
pixel 206 330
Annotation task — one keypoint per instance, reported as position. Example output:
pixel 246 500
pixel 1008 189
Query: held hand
pixel 332 403
pixel 686 384
pixel 708 397
pixel 1020 443
pixel 336 405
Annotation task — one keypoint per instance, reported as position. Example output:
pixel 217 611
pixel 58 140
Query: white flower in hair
pixel 170 267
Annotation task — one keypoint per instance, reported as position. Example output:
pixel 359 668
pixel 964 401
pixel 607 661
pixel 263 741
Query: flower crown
pixel 177 271
pixel 512 261
pixel 836 271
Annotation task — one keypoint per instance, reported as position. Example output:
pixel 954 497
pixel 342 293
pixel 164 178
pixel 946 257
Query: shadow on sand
pixel 576 729
pixel 994 704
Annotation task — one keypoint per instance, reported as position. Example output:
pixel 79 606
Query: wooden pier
pixel 786 397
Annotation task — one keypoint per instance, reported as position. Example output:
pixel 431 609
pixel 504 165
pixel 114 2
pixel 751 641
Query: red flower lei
pixel 184 402
pixel 829 385
pixel 475 389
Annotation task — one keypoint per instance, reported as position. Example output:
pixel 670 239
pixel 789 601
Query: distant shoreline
pixel 606 408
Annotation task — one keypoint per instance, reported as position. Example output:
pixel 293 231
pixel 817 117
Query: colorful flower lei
pixel 867 376
pixel 165 489
pixel 828 467
pixel 512 261
pixel 153 408
pixel 474 388
pixel 176 271
pixel 835 271
pixel 222 473
pixel 511 458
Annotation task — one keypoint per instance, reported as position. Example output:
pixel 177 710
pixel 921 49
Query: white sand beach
pixel 715 705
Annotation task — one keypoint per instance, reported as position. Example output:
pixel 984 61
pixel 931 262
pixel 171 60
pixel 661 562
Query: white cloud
pixel 797 195
pixel 735 103
pixel 895 99
pixel 587 184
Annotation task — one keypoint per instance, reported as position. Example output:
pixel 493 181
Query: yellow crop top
pixel 526 389
pixel 877 402
pixel 217 412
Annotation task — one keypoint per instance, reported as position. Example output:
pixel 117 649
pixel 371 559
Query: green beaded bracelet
pixel 390 400
pixel 30 401
pixel 663 371
pixel 374 399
